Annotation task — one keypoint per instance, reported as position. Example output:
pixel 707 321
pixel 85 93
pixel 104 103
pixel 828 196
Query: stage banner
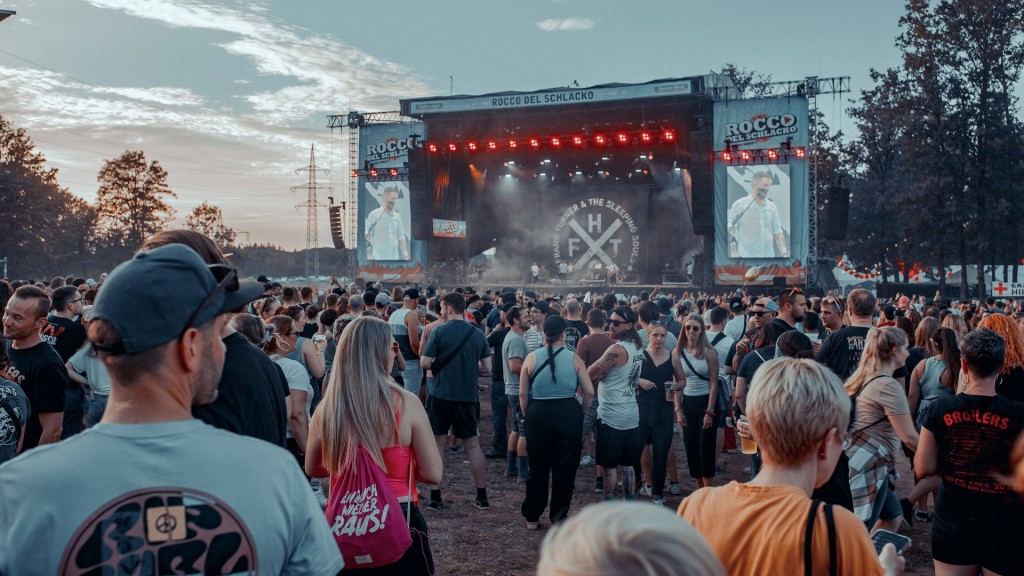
pixel 761 208
pixel 449 228
pixel 386 249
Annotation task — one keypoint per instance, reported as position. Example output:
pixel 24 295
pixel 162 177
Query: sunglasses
pixel 617 323
pixel 760 313
pixel 787 295
pixel 227 281
pixel 835 302
pixel 693 328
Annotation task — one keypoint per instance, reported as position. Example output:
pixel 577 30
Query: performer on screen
pixel 385 233
pixel 754 224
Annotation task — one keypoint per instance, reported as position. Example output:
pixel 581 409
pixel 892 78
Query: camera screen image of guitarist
pixel 759 212
pixel 384 230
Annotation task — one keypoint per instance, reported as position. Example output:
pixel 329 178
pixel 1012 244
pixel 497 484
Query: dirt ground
pixel 467 541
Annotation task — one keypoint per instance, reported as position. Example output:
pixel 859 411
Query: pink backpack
pixel 366 517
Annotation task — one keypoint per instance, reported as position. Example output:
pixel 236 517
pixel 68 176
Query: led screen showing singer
pixel 758 218
pixel 386 235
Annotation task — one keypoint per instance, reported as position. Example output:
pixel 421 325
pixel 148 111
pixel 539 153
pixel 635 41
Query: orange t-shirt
pixel 759 530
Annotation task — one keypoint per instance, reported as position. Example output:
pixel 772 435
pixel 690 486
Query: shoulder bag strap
pixel 544 365
pixel 859 390
pixel 692 369
pixel 833 556
pixel 5 404
pixel 438 365
pixel 718 338
pixel 809 537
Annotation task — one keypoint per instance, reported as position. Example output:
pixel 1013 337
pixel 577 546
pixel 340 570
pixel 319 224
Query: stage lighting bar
pixel 622 138
pixel 382 174
pixel 734 155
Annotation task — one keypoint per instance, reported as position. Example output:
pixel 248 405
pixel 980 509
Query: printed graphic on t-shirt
pixel 855 345
pixel 162 531
pixel 973 465
pixel 8 431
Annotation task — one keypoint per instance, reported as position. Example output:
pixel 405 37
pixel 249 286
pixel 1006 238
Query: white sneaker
pixel 587 460
pixel 658 501
pixel 674 489
pixel 318 492
pixel 644 491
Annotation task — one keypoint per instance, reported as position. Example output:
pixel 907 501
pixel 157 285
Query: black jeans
pixel 656 420
pixel 74 411
pixel 553 441
pixel 700 443
pixel 499 414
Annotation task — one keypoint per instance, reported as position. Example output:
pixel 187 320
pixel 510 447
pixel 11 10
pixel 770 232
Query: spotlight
pixel 355 173
pixel 622 138
pixel 668 136
pixel 577 141
pixel 745 155
pixel 727 156
pixel 471 146
pixel 600 140
pixel 452 147
pixel 772 154
pixel 393 172
pixel 535 143
pixel 645 137
pixel 512 144
pixel 374 173
pixel 556 142
pixel 492 145
pixel 799 152
pixel 432 148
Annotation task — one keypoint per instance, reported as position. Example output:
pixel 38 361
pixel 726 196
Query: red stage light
pixel 471 146
pixel 799 152
pixel 512 144
pixel 577 140
pixel 556 142
pixel 600 139
pixel 374 173
pixel 669 136
pixel 534 143
pixel 645 137
pixel 745 155
pixel 492 145
pixel 432 147
pixel 622 138
pixel 727 156
pixel 772 154
pixel 453 147
pixel 355 173
pixel 393 172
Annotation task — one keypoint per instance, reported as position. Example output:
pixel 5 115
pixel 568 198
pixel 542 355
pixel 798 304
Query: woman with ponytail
pixel 882 421
pixel 548 383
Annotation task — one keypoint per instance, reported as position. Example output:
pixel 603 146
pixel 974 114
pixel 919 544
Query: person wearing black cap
pixel 554 419
pixel 618 427
pixel 167 481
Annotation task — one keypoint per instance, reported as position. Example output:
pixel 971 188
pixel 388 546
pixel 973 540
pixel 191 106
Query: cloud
pixel 566 24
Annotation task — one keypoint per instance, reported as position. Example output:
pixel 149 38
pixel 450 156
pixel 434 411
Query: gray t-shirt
pixel 457 381
pixel 12 395
pixel 616 395
pixel 513 347
pixel 160 496
pixel 89 365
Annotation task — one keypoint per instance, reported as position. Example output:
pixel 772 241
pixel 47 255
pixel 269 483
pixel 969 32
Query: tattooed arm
pixel 614 356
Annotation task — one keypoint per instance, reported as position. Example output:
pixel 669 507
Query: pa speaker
pixel 837 213
pixel 421 195
pixel 702 183
pixel 337 229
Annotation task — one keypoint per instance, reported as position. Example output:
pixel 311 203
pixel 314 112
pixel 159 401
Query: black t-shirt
pixel 309 330
pixel 574 333
pixel 842 349
pixel 752 361
pixel 1011 385
pixel 41 374
pixel 975 435
pixel 659 374
pixel 495 340
pixel 782 325
pixel 66 336
pixel 457 380
pixel 250 396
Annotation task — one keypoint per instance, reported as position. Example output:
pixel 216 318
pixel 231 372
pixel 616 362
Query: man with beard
pixel 792 307
pixel 168 482
pixel 842 349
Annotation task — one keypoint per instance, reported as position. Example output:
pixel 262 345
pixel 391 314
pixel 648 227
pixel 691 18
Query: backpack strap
pixel 718 338
pixel 833 556
pixel 809 537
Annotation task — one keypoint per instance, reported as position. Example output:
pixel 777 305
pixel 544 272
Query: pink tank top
pixel 397 460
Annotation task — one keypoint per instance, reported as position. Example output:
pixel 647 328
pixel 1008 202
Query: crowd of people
pixel 189 395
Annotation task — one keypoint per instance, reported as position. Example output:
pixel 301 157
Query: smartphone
pixel 883 537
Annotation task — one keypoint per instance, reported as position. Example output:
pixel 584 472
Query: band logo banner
pixel 449 228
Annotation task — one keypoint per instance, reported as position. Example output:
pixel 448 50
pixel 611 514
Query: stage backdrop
pixel 740 187
pixel 384 146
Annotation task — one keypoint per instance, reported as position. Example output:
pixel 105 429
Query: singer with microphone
pixel 755 230
pixel 385 233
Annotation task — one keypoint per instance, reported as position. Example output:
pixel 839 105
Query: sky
pixel 230 95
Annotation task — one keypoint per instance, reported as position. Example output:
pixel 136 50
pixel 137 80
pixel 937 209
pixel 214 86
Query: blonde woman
pixel 759 527
pixel 363 407
pixel 626 538
pixel 699 361
pixel 882 421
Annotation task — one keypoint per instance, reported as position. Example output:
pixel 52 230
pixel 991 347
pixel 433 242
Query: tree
pixel 207 219
pixel 749 84
pixel 130 202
